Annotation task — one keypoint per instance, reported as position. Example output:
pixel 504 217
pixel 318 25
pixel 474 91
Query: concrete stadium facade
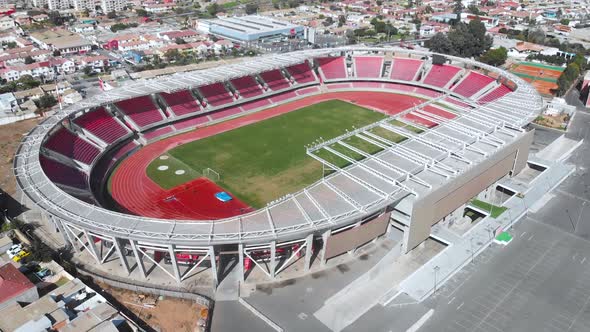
pixel 449 164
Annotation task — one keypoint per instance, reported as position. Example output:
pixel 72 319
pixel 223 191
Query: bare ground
pixel 167 315
pixel 10 137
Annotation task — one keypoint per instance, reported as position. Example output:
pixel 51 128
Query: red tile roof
pixel 12 282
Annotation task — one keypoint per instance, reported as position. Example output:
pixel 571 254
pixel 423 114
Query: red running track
pixel 138 194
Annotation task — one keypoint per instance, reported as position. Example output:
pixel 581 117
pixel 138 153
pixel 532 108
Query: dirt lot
pixel 556 121
pixel 10 137
pixel 169 314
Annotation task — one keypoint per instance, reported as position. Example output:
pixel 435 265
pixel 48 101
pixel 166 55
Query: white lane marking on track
pixel 453 299
pixel 460 305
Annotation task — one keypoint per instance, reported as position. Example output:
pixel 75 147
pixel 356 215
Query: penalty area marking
pixel 179 172
pixel 162 168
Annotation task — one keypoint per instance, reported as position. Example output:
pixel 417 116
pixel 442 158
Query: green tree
pixel 112 15
pixel 142 12
pixel 439 43
pixel 46 101
pixel 251 8
pixel 88 70
pixel 179 41
pixel 495 57
pixel 29 60
pixel 213 9
pixel 458 9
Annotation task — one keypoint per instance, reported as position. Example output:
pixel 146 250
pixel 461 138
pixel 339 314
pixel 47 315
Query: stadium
pixel 276 159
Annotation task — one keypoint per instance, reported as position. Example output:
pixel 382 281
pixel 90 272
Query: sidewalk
pixel 461 251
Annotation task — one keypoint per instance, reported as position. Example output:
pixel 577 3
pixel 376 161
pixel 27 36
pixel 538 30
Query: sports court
pixel 542 77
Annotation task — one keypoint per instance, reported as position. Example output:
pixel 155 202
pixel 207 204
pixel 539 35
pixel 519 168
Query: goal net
pixel 211 174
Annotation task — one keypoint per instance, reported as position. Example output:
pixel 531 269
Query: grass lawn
pixel 407 126
pixel 495 211
pixel 266 160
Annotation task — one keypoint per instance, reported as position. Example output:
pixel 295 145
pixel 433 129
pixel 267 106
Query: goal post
pixel 211 174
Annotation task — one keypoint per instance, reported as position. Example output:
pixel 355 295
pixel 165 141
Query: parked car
pixel 14 250
pixel 22 254
pixel 43 273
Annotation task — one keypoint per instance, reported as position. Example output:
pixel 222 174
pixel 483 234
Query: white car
pixel 14 250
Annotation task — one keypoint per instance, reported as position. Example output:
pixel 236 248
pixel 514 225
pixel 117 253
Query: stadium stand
pixel 398 87
pixel 472 84
pixel 302 73
pixel 125 149
pixel 368 66
pixel 181 102
pixel 62 174
pixel 283 96
pixel 192 122
pixel 216 94
pixel 405 69
pixel 158 132
pixel 255 104
pixel 71 145
pixel 440 75
pixel 370 85
pixel 419 120
pixel 305 91
pixel 275 80
pixel 141 110
pixel 339 86
pixel 225 113
pixel 333 67
pixel 494 94
pixel 101 124
pixel 457 102
pixel 247 86
pixel 427 92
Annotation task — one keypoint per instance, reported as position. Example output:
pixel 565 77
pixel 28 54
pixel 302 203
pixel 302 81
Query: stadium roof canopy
pixel 410 168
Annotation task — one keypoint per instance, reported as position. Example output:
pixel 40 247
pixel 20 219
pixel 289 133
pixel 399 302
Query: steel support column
pixel 325 237
pixel 92 246
pixel 308 252
pixel 213 266
pixel 241 262
pixel 172 254
pixel 273 259
pixel 121 254
pixel 138 258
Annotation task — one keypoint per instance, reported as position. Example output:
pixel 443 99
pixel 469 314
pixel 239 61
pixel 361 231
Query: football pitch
pixel 266 160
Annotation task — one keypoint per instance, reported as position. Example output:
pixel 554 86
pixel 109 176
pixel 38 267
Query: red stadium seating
pixel 302 73
pixel 225 113
pixel 427 92
pixel 370 85
pixel 181 102
pixel 399 87
pixel 472 84
pixel 247 86
pixel 60 173
pixel 419 120
pixel 216 94
pixel 440 75
pixel 339 86
pixel 125 149
pixel 71 145
pixel 457 102
pixel 192 122
pixel 275 80
pixel 141 110
pixel 333 67
pixel 404 69
pixel 498 92
pixel 158 132
pixel 283 96
pixel 306 91
pixel 438 111
pixel 100 123
pixel 368 66
pixel 255 104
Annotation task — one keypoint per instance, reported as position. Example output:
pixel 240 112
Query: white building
pixel 60 4
pixel 112 5
pixel 6 23
pixel 36 70
pixel 40 3
pixel 84 4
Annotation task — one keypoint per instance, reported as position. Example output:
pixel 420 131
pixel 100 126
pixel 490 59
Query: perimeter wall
pixel 437 204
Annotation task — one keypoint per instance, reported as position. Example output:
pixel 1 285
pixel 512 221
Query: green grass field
pixel 266 160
